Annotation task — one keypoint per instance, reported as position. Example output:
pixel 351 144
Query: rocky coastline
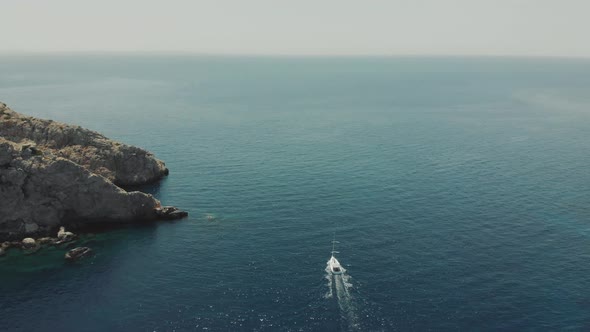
pixel 54 175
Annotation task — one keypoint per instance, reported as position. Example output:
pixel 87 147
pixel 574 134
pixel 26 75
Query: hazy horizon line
pixel 289 55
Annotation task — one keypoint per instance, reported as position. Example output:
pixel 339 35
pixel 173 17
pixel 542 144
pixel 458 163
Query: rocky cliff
pixel 53 174
pixel 124 165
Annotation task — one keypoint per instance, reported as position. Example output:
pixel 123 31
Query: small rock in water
pixel 170 213
pixel 29 243
pixel 63 236
pixel 30 246
pixel 78 253
pixel 2 251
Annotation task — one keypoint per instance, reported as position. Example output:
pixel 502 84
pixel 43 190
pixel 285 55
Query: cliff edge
pixel 53 174
pixel 122 164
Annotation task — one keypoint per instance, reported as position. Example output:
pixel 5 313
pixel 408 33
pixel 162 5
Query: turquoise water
pixel 458 188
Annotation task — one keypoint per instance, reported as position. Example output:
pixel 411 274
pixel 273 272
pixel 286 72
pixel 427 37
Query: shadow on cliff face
pixel 150 188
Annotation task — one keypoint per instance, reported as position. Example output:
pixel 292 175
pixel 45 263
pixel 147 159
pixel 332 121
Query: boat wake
pixel 340 286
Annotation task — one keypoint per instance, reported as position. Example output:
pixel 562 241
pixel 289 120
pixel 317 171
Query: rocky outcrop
pixel 53 175
pixel 122 164
pixel 30 245
pixel 38 193
pixel 170 213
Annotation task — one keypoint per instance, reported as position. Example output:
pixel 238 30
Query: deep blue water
pixel 459 189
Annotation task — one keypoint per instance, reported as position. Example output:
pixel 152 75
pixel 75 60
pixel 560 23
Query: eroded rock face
pixel 52 174
pixel 38 193
pixel 122 164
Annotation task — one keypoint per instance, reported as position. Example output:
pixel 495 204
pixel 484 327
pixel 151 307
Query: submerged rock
pixel 78 253
pixel 2 252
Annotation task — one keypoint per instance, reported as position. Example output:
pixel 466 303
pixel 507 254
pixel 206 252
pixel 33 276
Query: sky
pixel 299 27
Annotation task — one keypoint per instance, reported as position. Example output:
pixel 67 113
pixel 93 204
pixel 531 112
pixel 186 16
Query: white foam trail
pixel 328 276
pixel 340 284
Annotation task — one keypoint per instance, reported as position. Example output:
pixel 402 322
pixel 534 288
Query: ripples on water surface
pixel 457 187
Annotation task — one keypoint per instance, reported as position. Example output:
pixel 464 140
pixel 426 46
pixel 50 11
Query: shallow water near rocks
pixel 458 188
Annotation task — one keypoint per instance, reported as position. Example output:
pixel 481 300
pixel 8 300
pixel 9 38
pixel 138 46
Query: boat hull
pixel 334 265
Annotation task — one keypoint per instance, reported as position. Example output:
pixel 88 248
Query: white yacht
pixel 333 263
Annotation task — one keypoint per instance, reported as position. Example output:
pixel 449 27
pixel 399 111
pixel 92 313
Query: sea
pixel 458 189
